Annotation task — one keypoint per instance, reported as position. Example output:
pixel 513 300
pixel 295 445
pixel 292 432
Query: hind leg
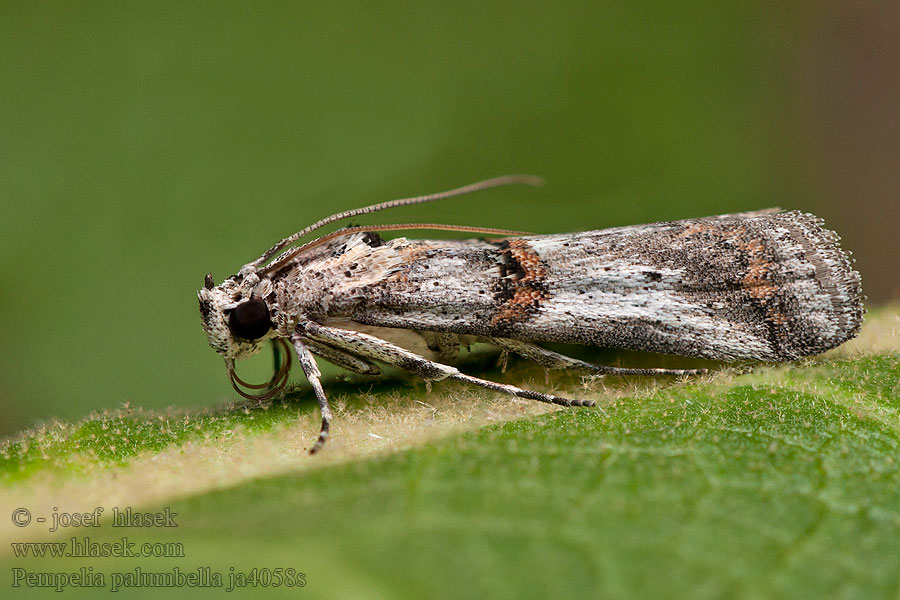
pixel 555 360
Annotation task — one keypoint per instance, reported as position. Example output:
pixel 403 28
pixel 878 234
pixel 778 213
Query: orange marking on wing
pixel 756 280
pixel 696 228
pixel 527 294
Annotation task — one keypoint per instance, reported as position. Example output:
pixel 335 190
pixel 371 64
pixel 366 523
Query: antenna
pixel 531 180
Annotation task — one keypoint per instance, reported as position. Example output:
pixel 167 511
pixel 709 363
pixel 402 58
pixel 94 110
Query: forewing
pixel 766 285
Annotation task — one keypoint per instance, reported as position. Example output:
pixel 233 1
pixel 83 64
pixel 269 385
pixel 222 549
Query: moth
pixel 763 286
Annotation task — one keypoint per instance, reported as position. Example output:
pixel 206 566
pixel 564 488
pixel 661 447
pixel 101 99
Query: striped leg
pixel 369 346
pixel 342 359
pixel 311 370
pixel 555 360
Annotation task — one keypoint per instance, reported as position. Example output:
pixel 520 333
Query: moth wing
pixel 765 285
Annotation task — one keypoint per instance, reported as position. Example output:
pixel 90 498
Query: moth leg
pixel 555 360
pixel 519 392
pixel 445 344
pixel 369 346
pixel 311 370
pixel 342 359
pixel 378 349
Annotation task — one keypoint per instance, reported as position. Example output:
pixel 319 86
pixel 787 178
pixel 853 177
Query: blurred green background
pixel 144 144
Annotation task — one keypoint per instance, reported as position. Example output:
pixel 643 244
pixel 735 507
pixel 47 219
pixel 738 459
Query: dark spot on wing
pixel 372 239
pixel 521 287
pixel 205 310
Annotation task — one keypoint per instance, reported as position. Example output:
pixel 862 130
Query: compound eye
pixel 250 320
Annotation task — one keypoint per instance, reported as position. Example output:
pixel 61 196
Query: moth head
pixel 235 314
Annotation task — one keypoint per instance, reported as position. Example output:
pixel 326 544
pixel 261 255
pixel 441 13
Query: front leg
pixel 342 359
pixel 311 370
pixel 370 346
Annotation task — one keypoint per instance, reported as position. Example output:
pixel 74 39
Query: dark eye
pixel 250 320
